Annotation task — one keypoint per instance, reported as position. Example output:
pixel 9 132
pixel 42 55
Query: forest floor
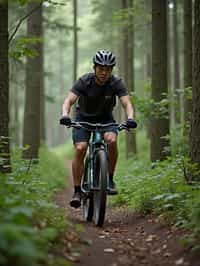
pixel 125 239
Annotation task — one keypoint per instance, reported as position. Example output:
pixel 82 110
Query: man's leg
pixel 78 162
pixel 111 139
pixel 77 170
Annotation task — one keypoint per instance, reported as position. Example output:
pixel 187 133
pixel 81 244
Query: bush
pixel 30 220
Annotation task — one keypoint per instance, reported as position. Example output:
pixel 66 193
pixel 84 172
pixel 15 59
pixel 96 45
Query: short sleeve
pixel 121 89
pixel 77 88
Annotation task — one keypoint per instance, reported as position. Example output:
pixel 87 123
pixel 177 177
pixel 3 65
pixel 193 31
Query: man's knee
pixel 110 138
pixel 81 148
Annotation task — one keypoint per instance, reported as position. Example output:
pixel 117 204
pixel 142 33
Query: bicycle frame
pixel 94 145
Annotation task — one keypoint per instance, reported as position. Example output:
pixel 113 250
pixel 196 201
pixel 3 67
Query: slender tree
pixel 31 134
pixel 171 76
pixel 42 87
pixel 75 49
pixel 4 90
pixel 75 43
pixel 159 125
pixel 131 137
pixel 187 57
pixel 16 118
pixel 148 56
pixel 128 67
pixel 176 62
pixel 195 119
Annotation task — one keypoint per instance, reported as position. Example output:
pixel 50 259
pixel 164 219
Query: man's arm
pixel 128 107
pixel 69 101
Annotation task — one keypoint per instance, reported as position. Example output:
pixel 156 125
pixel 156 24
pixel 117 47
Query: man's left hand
pixel 130 123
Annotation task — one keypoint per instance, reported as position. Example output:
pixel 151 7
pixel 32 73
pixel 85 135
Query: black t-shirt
pixel 95 100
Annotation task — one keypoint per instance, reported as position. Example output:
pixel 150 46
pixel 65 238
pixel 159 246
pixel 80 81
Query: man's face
pixel 103 73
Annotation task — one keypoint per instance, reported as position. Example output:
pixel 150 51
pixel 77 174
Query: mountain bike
pixel 95 181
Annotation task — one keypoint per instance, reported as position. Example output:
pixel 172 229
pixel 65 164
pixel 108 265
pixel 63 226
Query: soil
pixel 125 239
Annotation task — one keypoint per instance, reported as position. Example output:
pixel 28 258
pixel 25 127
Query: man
pixel 96 93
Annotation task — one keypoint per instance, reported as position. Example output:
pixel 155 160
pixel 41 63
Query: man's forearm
pixel 66 107
pixel 129 109
pixel 69 101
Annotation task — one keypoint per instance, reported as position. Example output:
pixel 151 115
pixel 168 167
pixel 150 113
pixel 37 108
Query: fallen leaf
pixel 109 250
pixel 179 261
pixel 155 252
pixel 150 238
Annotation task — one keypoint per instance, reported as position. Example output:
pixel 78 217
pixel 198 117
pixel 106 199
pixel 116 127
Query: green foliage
pixel 179 141
pixel 159 188
pixel 147 107
pixel 24 47
pixel 30 221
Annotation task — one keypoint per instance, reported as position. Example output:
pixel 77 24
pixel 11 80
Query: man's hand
pixel 130 123
pixel 65 120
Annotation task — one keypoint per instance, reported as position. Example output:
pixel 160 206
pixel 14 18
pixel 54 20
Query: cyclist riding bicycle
pixel 95 94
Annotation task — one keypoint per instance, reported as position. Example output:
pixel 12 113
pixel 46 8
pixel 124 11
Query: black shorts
pixel 83 135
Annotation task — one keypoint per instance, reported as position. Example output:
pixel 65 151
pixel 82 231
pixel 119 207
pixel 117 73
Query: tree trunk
pixel 62 90
pixel 31 134
pixel 4 90
pixel 187 58
pixel 148 61
pixel 128 70
pixel 195 119
pixel 42 87
pixel 160 125
pixel 131 136
pixel 16 118
pixel 75 41
pixel 75 51
pixel 118 110
pixel 171 76
pixel 176 64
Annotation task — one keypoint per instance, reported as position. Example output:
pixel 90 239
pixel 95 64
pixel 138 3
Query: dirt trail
pixel 127 239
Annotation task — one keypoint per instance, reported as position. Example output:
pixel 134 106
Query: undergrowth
pixel 159 188
pixel 30 220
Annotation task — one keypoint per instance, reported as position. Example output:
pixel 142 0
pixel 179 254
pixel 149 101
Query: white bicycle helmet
pixel 104 58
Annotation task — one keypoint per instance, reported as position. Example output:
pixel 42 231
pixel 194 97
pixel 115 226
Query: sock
pixel 77 189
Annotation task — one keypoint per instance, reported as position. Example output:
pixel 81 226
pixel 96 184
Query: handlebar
pixel 98 126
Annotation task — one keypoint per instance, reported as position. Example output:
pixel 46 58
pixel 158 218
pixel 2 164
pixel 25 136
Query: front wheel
pixel 88 196
pixel 100 178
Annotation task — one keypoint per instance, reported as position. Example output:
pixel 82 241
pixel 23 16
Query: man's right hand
pixel 65 120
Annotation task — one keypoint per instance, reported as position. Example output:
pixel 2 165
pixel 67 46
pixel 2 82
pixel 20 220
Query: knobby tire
pixel 101 171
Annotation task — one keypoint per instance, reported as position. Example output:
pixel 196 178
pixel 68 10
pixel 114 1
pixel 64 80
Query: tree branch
pixel 21 20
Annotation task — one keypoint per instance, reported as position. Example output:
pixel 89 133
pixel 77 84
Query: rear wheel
pixel 100 177
pixel 88 196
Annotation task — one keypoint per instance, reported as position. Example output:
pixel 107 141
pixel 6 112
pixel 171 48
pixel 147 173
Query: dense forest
pixel 45 46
